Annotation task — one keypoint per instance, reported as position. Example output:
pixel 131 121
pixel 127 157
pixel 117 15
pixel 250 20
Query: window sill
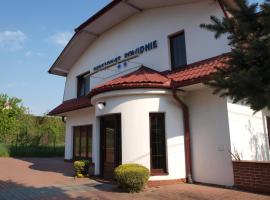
pixel 159 173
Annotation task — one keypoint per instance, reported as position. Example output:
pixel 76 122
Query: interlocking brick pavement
pixel 52 179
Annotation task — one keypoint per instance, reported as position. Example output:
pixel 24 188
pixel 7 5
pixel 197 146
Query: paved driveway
pixel 51 178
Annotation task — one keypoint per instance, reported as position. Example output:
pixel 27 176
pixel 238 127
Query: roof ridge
pixel 143 67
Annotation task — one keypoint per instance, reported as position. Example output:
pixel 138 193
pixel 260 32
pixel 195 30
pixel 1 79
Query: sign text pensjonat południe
pixel 128 55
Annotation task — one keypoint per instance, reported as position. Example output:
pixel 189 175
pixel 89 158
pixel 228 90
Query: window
pixel 268 128
pixel 83 85
pixel 82 142
pixel 178 50
pixel 157 143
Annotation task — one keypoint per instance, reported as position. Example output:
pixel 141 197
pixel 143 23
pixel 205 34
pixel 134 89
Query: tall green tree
pixel 19 127
pixel 52 129
pixel 247 77
pixel 11 111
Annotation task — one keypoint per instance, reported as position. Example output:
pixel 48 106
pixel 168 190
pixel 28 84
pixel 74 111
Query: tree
pixel 51 128
pixel 11 112
pixel 27 135
pixel 247 77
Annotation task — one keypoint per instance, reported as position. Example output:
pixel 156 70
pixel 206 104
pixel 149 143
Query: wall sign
pixel 127 56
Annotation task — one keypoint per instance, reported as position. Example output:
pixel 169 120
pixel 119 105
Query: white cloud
pixel 11 85
pixel 18 85
pixel 12 40
pixel 40 54
pixel 31 53
pixel 28 53
pixel 61 38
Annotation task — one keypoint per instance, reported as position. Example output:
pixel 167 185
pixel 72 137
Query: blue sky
pixel 32 34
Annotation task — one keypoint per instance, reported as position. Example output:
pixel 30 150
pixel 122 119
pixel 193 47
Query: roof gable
pixel 111 15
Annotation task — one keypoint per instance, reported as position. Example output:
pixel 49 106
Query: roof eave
pixel 52 69
pixel 230 3
pixel 63 113
pixel 98 14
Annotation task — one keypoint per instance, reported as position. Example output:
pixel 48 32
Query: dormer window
pixel 178 50
pixel 83 86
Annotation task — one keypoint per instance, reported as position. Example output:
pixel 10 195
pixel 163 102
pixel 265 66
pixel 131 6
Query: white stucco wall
pixel 210 138
pixel 154 24
pixel 208 113
pixel 248 132
pixel 135 109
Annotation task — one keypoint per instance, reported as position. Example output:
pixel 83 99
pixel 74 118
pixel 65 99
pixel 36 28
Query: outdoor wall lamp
pixel 101 105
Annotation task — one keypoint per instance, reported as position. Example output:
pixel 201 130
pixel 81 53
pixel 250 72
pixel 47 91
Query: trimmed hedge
pixel 4 151
pixel 132 177
pixel 31 151
pixel 37 151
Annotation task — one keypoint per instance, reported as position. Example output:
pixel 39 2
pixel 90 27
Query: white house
pixel 134 94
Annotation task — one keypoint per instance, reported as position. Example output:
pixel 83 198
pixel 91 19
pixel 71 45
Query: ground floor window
pixel 158 143
pixel 268 128
pixel 82 142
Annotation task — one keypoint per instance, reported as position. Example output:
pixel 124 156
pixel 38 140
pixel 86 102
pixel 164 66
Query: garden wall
pixel 252 176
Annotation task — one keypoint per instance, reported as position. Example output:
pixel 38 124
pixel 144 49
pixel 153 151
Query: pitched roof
pixel 148 78
pixel 143 77
pixel 197 72
pixel 111 15
pixel 70 105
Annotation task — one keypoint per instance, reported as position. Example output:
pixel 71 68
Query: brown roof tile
pixel 144 77
pixel 148 78
pixel 195 72
pixel 70 105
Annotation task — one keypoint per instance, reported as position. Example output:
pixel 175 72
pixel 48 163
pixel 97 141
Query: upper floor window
pixel 178 50
pixel 83 86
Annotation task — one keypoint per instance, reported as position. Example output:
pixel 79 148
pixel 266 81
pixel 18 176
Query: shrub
pixel 132 177
pixel 4 151
pixel 81 168
pixel 37 151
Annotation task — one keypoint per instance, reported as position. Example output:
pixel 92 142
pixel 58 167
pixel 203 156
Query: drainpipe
pixel 221 4
pixel 185 110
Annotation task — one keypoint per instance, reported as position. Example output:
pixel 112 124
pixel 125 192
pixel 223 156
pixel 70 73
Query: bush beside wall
pixel 132 177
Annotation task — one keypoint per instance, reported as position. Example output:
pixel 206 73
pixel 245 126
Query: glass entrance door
pixel 110 144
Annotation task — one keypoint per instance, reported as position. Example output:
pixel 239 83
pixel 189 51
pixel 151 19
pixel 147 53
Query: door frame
pixel 90 126
pixel 268 128
pixel 118 141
